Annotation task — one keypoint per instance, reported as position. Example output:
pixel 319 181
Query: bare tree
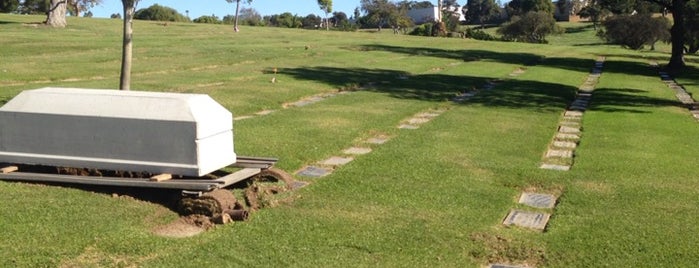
pixel 127 49
pixel 56 16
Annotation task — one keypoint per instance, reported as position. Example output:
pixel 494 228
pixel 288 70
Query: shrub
pixel 478 35
pixel 532 27
pixel 635 31
pixel 159 13
pixel 423 30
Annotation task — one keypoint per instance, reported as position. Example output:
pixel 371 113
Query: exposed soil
pixel 198 213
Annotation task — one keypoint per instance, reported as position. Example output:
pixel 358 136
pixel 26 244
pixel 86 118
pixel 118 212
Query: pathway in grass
pixel 561 151
pixel 681 94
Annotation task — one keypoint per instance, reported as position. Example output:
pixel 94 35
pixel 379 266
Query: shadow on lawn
pixel 442 87
pixel 511 93
pixel 526 59
pixel 625 100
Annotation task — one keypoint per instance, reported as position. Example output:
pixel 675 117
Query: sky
pixel 222 8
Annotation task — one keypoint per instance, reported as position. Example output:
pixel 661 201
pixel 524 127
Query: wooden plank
pixel 238 176
pixel 161 177
pixel 8 169
pixel 126 182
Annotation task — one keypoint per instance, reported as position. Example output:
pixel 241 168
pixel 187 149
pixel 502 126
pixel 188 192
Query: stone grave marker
pixel 538 200
pixel 336 161
pixel 264 112
pixel 573 113
pixel 407 126
pixel 527 219
pixel 357 150
pixel 565 144
pixel 555 167
pixel 418 120
pixel 377 140
pixel 568 130
pixel 498 265
pixel 314 172
pixel 559 153
pixel 567 136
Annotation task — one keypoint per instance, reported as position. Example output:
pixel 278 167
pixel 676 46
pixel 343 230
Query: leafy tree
pixel 594 11
pixel 247 16
pixel 383 12
pixel 285 20
pixel 480 11
pixel 692 22
pixel 115 16
pixel 127 48
pixel 339 18
pixel 532 27
pixel 213 19
pixel 636 31
pixel 159 13
pixel 678 32
pixel 34 7
pixel 311 21
pixel 77 6
pixel 415 4
pixel 521 7
pixel 237 11
pixel 88 14
pixel 9 6
pixel 327 7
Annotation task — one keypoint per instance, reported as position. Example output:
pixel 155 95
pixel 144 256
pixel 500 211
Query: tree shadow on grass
pixel 442 87
pixel 627 100
pixel 465 55
pixel 540 96
pixel 519 58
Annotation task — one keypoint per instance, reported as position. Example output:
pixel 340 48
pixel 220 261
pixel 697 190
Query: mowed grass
pixel 431 197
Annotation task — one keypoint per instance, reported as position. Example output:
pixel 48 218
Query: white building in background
pixel 425 15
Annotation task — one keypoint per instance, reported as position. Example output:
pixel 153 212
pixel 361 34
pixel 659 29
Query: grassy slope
pixel 429 197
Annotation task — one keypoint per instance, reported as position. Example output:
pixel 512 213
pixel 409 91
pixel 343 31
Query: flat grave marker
pixel 357 150
pixel 527 219
pixel 313 172
pixel 337 161
pixel 559 153
pixel 538 200
pixel 555 167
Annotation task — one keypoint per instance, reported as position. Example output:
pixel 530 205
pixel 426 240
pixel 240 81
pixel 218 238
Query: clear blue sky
pixel 222 8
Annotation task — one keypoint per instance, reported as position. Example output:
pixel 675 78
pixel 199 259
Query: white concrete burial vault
pixel 185 134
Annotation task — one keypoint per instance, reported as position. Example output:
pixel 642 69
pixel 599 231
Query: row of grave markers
pixel 490 84
pixel 561 151
pixel 680 92
pixel 299 103
pixel 558 157
pixel 327 166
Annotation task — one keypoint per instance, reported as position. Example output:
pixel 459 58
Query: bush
pixel 423 30
pixel 208 19
pixel 532 27
pixel 635 31
pixel 478 35
pixel 159 13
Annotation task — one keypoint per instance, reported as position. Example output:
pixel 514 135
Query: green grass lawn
pixel 430 197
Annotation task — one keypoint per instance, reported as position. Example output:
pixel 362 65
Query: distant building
pixel 429 15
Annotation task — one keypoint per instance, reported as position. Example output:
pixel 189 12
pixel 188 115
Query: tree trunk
pixel 127 48
pixel 677 31
pixel 56 17
pixel 235 22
